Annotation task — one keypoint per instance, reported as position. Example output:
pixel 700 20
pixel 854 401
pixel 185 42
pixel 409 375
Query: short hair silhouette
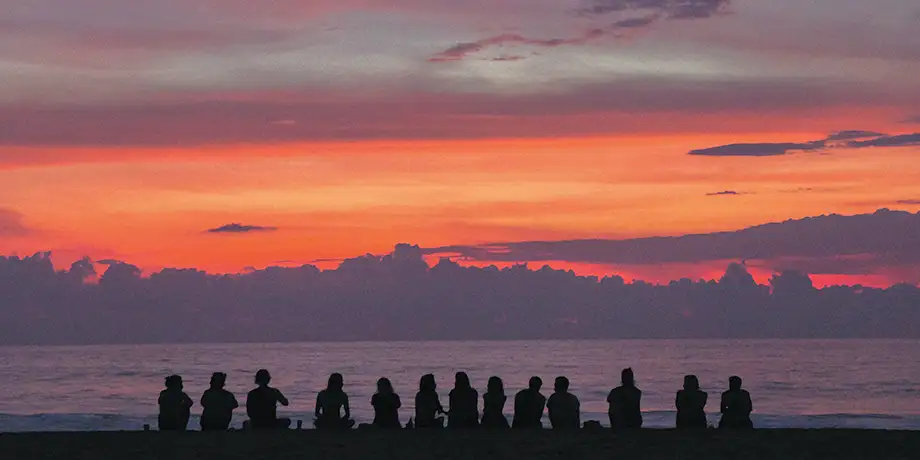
pixel 218 380
pixel 736 406
pixel 495 385
pixel 263 377
pixel 173 382
pixel 561 384
pixel 535 383
pixel 734 383
pixel 564 407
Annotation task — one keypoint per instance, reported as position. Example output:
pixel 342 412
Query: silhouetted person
pixel 332 411
pixel 428 404
pixel 624 403
pixel 691 403
pixel 217 405
pixel 529 405
pixel 736 406
pixel 464 403
pixel 262 404
pixel 175 406
pixel 564 408
pixel 493 405
pixel 386 405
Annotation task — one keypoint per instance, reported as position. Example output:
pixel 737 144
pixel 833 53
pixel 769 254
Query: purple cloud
pixel 853 135
pixel 725 193
pixel 765 149
pixel 901 140
pixel 240 228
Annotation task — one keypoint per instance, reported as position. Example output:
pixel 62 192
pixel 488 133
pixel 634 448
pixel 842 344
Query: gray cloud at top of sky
pixel 120 56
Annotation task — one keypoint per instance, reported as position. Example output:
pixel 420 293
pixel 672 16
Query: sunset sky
pixel 141 131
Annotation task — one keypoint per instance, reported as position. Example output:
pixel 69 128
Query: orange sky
pixel 152 207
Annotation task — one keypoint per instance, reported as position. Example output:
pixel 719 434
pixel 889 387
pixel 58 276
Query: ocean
pixel 793 383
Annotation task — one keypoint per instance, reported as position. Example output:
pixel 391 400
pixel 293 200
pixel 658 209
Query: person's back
pixel 217 405
pixel 736 406
pixel 564 407
pixel 175 406
pixel 625 403
pixel 428 404
pixel 261 404
pixel 691 403
pixel 494 405
pixel 464 404
pixel 529 405
pixel 386 405
pixel 332 409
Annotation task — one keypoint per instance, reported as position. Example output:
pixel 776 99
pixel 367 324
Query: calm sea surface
pixel 798 383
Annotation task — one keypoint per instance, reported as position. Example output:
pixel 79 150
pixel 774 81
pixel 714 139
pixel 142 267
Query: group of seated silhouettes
pixel 333 412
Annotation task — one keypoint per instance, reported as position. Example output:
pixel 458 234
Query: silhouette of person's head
pixel 263 377
pixel 535 383
pixel 734 383
pixel 496 386
pixel 561 385
pixel 384 386
pixel 173 382
pixel 218 380
pixel 336 382
pixel 427 383
pixel 461 380
pixel 628 378
pixel 691 383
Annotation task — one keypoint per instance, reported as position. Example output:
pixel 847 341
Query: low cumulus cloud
pixel 398 296
pixel 850 139
pixel 632 15
pixel 240 228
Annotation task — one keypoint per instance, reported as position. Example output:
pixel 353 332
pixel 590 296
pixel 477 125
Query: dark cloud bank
pixel 851 139
pixel 240 228
pixel 398 297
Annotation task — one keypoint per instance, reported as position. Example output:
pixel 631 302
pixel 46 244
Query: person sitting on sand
pixel 217 405
pixel 736 406
pixel 624 403
pixel 386 405
pixel 493 405
pixel 175 406
pixel 464 403
pixel 261 404
pixel 332 411
pixel 564 407
pixel 691 402
pixel 529 405
pixel 428 404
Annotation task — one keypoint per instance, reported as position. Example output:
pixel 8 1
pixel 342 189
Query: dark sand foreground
pixel 445 445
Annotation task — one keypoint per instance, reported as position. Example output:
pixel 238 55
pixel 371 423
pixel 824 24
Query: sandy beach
pixel 447 445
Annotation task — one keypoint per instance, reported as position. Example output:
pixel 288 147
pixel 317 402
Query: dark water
pixel 797 383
